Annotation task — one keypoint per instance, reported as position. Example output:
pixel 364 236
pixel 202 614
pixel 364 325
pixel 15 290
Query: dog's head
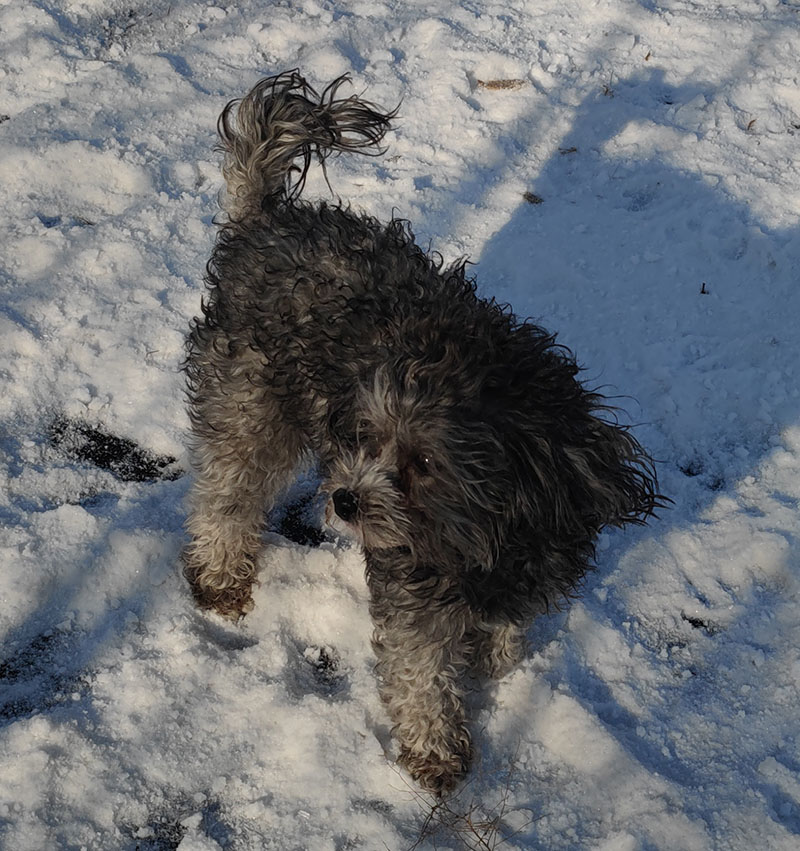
pixel 481 450
pixel 418 475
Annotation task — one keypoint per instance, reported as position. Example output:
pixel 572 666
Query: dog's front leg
pixel 497 649
pixel 419 644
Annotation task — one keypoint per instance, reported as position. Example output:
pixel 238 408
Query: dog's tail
pixel 283 120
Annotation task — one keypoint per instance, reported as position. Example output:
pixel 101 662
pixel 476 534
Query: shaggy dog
pixel 454 440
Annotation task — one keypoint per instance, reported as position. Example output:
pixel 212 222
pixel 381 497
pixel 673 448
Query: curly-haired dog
pixel 455 441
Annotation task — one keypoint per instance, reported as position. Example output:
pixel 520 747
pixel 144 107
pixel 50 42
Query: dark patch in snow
pixel 165 831
pixel 122 458
pixel 164 836
pixel 116 29
pixel 699 623
pixel 64 221
pixel 695 467
pixel 692 468
pixel 214 826
pixel 372 805
pixel 299 521
pixel 640 198
pixel 321 673
pixel 33 681
pixel 785 809
pixel 28 658
pixel 98 503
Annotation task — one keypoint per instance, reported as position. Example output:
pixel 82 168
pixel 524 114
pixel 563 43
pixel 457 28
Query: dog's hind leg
pixel 243 459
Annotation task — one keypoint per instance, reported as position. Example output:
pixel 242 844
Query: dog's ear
pixel 569 477
pixel 581 473
pixel 575 469
pixel 611 479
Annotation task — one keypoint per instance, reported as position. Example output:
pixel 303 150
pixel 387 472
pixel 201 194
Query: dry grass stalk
pixel 499 85
pixel 474 827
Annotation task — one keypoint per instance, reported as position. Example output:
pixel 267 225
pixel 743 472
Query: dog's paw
pixel 436 773
pixel 232 602
pixel 233 606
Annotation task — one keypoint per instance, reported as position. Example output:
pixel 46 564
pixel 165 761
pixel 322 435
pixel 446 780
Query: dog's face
pixel 421 471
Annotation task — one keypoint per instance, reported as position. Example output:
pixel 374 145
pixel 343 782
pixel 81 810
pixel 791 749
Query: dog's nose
pixel 345 503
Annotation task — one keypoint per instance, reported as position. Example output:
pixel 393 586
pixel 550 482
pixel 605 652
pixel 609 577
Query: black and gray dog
pixel 455 441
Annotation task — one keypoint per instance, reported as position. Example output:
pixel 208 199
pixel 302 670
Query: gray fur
pixel 466 457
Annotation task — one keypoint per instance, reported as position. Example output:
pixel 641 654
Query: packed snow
pixel 626 173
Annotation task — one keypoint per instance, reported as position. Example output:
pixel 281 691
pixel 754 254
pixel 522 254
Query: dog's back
pixel 302 282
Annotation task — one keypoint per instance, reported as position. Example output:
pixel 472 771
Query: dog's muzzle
pixel 345 503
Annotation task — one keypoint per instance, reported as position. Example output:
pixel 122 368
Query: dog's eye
pixel 421 464
pixel 417 468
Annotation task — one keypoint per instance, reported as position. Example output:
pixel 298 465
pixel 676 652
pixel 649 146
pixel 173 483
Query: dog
pixel 454 440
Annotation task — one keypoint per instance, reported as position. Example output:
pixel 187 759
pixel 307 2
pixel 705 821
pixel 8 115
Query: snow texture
pixel 636 188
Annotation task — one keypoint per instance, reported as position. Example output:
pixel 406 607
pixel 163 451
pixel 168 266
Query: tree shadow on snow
pixel 682 306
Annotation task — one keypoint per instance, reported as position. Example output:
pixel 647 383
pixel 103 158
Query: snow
pixel 657 712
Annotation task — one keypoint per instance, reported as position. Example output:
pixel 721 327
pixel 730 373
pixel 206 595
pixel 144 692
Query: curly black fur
pixel 457 441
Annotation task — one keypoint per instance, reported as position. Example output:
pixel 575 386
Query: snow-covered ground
pixel 658 712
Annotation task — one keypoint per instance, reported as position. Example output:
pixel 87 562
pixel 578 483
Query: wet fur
pixel 475 468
